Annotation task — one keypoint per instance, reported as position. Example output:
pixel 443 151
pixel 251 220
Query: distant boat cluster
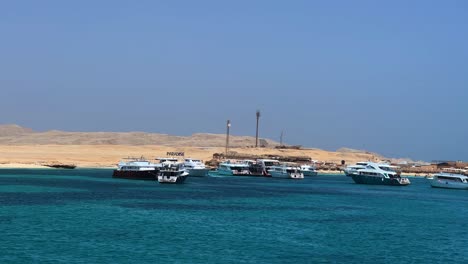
pixel 167 170
pixel 265 168
pixel 143 169
pixel 384 174
pixel 173 170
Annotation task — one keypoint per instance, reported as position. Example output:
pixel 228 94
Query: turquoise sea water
pixel 85 216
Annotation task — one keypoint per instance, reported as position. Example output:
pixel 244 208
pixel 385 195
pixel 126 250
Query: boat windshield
pixel 448 178
pixel 386 168
pixel 271 163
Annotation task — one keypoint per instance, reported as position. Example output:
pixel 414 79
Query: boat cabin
pixel 451 177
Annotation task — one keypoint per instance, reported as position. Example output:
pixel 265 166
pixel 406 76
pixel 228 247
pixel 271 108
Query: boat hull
pixel 349 174
pixel 261 174
pixel 363 179
pixel 276 174
pixel 135 175
pixel 309 173
pixel 258 171
pixel 225 172
pixel 171 179
pixel 233 173
pixel 198 172
pixel 437 183
pixel 249 174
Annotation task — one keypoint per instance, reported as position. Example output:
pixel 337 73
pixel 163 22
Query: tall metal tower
pixel 256 135
pixel 228 125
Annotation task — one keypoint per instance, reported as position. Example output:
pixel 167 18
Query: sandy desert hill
pixel 16 135
pixel 23 147
pixel 13 130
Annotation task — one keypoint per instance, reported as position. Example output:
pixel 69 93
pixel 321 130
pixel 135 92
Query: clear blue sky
pixel 386 76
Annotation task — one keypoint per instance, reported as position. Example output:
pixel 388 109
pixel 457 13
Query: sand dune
pixel 23 147
pixel 16 135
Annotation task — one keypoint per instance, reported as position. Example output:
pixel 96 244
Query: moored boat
pixel 308 170
pixel 379 174
pixel 195 167
pixel 285 170
pixel 256 168
pixel 449 181
pixel 266 165
pixel 137 169
pixel 233 169
pixel 172 173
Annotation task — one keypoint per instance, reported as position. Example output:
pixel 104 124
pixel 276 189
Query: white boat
pixel 353 169
pixel 136 168
pixel 286 171
pixel 195 167
pixel 308 170
pixel 449 180
pixel 172 173
pixel 233 169
pixel 266 165
pixel 379 174
pixel 256 168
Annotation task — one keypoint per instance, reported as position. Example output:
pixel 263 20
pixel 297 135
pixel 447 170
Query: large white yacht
pixel 234 169
pixel 450 181
pixel 286 170
pixel 195 167
pixel 379 174
pixel 136 168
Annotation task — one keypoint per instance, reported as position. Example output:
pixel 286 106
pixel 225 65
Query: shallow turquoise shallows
pixel 86 216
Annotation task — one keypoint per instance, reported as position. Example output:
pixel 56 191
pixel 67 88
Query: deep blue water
pixel 85 216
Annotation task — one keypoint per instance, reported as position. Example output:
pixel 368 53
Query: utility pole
pixel 256 135
pixel 281 138
pixel 227 136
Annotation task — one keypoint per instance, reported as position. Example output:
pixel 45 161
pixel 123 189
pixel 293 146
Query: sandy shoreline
pixel 38 166
pixel 98 156
pixel 22 166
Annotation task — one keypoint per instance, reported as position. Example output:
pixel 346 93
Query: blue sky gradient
pixel 386 76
